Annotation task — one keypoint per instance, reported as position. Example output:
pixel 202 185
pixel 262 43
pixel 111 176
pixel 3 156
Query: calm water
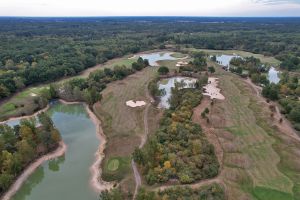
pixel 67 177
pixel 168 84
pixel 154 57
pixel 225 59
pixel 273 75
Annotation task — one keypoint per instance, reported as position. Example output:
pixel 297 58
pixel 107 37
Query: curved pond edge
pixel 95 181
pixel 59 151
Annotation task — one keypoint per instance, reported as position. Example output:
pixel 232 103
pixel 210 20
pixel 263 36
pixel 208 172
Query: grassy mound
pixel 113 164
pixel 115 168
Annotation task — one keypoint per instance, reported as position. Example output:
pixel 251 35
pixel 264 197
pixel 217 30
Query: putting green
pixel 113 164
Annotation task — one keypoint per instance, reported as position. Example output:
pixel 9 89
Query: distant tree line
pixel 38 50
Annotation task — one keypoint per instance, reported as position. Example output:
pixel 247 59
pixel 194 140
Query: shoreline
pixel 95 181
pixel 29 170
pixel 27 116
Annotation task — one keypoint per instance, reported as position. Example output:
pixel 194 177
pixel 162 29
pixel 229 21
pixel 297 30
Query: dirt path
pixel 31 168
pixel 285 126
pixel 144 137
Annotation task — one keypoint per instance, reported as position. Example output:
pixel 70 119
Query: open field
pixel 259 161
pixel 264 59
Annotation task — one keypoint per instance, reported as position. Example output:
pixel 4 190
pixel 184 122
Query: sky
pixel 231 8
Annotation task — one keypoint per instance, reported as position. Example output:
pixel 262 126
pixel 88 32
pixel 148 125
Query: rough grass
pixel 113 164
pixel 116 172
pixel 124 125
pixel 265 193
pixel 178 55
pixel 260 163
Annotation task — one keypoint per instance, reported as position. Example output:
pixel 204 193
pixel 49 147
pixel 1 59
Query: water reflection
pixel 167 84
pixel 154 57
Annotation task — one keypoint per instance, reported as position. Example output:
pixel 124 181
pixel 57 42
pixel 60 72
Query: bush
pixel 163 70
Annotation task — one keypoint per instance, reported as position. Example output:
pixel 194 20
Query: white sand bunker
pixel 212 90
pixel 181 63
pixel 32 94
pixel 133 104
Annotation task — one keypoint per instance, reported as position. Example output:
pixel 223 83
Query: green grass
pixel 270 170
pixel 8 107
pixel 178 55
pixel 116 172
pixel 113 164
pixel 262 193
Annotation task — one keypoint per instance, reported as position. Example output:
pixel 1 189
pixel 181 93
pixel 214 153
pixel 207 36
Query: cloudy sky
pixel 149 7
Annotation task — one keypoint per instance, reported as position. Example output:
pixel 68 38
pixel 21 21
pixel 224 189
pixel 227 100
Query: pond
pixel 154 57
pixel 225 59
pixel 273 75
pixel 66 177
pixel 167 84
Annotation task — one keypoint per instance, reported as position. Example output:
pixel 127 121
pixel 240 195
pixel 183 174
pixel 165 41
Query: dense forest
pixel 214 192
pixel 37 50
pixel 22 144
pixel 287 93
pixel 179 150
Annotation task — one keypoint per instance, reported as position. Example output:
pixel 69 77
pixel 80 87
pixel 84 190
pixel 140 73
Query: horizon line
pixel 137 16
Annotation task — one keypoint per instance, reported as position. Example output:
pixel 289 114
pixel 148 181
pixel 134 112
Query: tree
pixel 5 180
pixel 4 92
pixel 163 70
pixel 271 91
pixel 211 69
pixel 138 156
pixel 25 150
pixel 295 114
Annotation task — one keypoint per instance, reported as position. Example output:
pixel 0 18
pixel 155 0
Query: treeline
pixel 250 67
pixel 214 192
pixel 287 93
pixel 22 144
pixel 179 150
pixel 32 53
pixel 198 64
pixel 35 50
pixel 88 89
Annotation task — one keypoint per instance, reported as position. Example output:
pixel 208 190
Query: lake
pixel 168 84
pixel 154 57
pixel 225 59
pixel 66 177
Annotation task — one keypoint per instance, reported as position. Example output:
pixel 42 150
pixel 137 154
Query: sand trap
pixel 32 94
pixel 132 57
pixel 181 63
pixel 212 90
pixel 133 104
